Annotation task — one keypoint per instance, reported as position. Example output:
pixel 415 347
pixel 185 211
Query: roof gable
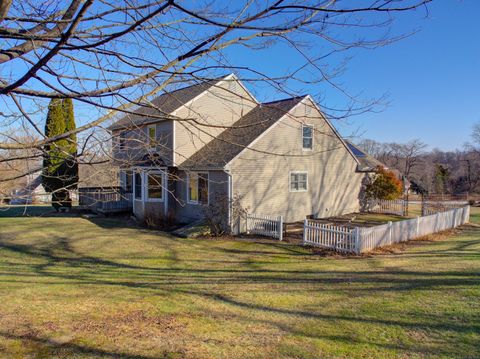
pixel 233 140
pixel 163 105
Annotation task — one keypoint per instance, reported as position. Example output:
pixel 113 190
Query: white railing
pixel 338 238
pixel 359 240
pixel 431 207
pixel 269 226
pixel 397 206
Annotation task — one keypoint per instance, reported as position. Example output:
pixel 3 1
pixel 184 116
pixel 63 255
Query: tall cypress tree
pixel 71 164
pixel 60 168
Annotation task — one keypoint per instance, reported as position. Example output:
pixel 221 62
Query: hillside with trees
pixel 432 171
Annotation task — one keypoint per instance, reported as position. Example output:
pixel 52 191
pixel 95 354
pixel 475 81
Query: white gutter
pixel 230 191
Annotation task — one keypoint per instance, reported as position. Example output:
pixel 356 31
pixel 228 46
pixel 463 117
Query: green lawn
pixel 71 287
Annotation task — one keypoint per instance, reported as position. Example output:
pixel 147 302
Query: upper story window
pixel 197 191
pixel 152 135
pixel 307 137
pixel 298 181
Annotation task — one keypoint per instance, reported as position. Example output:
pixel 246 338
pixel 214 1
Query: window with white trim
pixel 307 137
pixel 155 186
pixel 128 181
pixel 138 185
pixel 298 181
pixel 197 188
pixel 152 135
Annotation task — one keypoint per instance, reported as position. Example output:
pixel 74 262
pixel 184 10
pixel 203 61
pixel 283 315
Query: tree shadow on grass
pixel 46 347
pixel 351 338
pixel 92 270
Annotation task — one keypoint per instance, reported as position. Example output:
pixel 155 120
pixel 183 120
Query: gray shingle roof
pixel 222 149
pixel 367 162
pixel 163 105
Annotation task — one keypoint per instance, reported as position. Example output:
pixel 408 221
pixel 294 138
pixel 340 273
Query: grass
pixel 71 287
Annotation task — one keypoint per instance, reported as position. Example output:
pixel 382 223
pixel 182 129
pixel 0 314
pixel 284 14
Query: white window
pixel 307 137
pixel 155 186
pixel 152 135
pixel 197 188
pixel 138 185
pixel 298 181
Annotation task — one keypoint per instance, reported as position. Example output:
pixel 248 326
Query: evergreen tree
pixel 442 176
pixel 71 164
pixel 60 167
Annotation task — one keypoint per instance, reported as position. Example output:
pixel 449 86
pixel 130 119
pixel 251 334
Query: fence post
pixel 305 224
pixel 418 227
pixel 246 223
pixel 389 232
pixel 280 227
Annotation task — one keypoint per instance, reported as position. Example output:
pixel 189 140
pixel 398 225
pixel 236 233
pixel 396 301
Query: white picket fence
pixel 359 240
pixel 431 207
pixel 269 226
pixel 398 206
pixel 338 238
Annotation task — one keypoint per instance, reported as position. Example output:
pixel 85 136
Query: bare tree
pixel 113 57
pixel 407 156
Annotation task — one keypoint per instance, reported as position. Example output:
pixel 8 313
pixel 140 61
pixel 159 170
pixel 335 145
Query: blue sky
pixel 432 78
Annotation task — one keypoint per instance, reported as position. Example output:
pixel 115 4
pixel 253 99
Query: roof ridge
pixel 283 100
pixel 217 79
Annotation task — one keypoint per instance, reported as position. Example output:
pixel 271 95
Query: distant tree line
pixel 435 171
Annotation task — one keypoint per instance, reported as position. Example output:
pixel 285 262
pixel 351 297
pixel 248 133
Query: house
pixel 29 191
pixel 213 144
pixel 367 163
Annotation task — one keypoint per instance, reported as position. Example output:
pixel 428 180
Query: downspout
pixel 230 204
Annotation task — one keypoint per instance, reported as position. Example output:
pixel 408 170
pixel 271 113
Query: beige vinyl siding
pixel 262 179
pixel 137 144
pixel 220 106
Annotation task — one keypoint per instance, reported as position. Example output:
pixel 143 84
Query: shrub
pixel 216 214
pixel 385 185
pixel 155 220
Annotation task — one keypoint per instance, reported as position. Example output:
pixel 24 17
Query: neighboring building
pixel 214 144
pixel 30 191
